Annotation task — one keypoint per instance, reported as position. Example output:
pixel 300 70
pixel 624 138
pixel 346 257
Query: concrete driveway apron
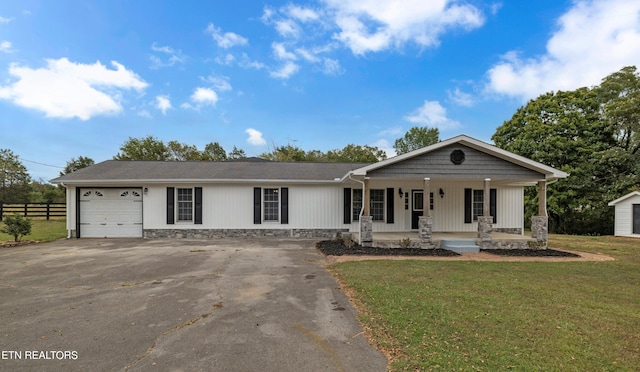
pixel 176 305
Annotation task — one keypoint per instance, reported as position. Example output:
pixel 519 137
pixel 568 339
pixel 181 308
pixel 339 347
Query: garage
pixel 110 213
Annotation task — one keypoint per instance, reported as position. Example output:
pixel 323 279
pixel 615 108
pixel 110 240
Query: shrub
pixel 17 226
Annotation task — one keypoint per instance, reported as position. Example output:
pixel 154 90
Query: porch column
pixel 485 223
pixel 426 200
pixel 366 221
pixel 425 222
pixel 540 223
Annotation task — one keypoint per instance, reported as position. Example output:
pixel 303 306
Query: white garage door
pixel 111 213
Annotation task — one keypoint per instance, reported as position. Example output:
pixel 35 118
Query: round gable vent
pixel 457 157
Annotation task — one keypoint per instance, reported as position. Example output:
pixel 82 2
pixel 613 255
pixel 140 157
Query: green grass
pixel 524 316
pixel 42 230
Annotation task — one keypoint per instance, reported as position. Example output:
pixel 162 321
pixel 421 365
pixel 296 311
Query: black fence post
pixel 1 203
pixel 47 211
pixel 26 209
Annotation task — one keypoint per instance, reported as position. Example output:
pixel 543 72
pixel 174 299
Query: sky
pixel 81 77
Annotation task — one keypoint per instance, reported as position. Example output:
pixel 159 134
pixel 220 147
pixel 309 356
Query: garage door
pixel 111 213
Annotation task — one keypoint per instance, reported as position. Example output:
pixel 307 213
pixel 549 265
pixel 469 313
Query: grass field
pixel 525 316
pixel 42 230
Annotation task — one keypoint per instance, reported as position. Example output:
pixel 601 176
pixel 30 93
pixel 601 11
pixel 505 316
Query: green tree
pixel 148 148
pixel 237 153
pixel 356 154
pixel 571 131
pixel 285 153
pixel 214 151
pixel 14 179
pixel 182 152
pixel 75 164
pixel 16 226
pixel 415 138
pixel 44 192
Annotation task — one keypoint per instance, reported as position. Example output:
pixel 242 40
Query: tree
pixel 182 152
pixel 237 154
pixel 213 151
pixel 44 192
pixel 16 226
pixel 356 154
pixel 148 148
pixel 590 133
pixel 415 138
pixel 285 153
pixel 14 179
pixel 75 164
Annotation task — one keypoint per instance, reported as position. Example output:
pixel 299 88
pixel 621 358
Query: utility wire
pixel 36 162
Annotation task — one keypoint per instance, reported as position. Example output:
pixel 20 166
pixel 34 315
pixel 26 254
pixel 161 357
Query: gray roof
pixel 129 170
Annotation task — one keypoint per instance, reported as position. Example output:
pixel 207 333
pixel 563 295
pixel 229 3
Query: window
pixel 478 204
pixel 185 204
pixel 357 204
pixel 271 205
pixel 377 205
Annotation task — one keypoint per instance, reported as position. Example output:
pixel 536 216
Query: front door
pixel 417 207
pixel 636 218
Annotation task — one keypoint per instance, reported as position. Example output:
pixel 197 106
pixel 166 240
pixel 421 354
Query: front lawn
pixel 41 230
pixel 471 315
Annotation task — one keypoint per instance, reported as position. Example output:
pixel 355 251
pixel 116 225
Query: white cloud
pixel 432 114
pixel 5 46
pixel 461 98
pixel 594 39
pixel 204 96
pixel 145 114
pixel 281 53
pixel 163 103
pixel 5 20
pixel 65 89
pixel 394 131
pixel 225 40
pixel 375 25
pixel 286 71
pixel 246 62
pixel 220 83
pixel 172 56
pixel 255 137
pixel 302 14
pixel 287 28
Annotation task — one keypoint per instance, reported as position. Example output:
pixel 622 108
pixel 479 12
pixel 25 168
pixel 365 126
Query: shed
pixel 627 215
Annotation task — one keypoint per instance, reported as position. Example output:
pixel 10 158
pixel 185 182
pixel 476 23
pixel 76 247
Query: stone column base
pixel 485 228
pixel 366 231
pixel 540 230
pixel 425 231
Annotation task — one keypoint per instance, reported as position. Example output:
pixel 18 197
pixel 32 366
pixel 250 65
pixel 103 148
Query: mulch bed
pixel 9 244
pixel 335 248
pixel 529 252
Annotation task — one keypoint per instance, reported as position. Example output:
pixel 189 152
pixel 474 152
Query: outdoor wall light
pixel 400 193
pixel 441 193
pixel 145 190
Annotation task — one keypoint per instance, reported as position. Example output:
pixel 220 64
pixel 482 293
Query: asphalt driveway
pixel 176 305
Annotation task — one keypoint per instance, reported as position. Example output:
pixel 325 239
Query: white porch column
pixel 366 197
pixel 542 198
pixel 540 223
pixel 485 223
pixel 486 200
pixel 426 200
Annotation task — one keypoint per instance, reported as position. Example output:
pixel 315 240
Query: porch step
pixel 460 246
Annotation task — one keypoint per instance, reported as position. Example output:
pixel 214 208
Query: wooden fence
pixel 47 210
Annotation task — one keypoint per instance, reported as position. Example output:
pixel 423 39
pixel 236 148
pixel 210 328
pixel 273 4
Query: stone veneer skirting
pixel 241 233
pixel 508 230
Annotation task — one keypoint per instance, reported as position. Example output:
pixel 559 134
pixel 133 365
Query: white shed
pixel 627 215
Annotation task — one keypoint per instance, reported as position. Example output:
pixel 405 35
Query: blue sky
pixel 78 78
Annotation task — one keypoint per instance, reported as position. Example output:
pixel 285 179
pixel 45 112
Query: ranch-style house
pixel 457 188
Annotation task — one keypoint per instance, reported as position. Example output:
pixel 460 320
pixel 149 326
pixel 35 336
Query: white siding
pixel 231 207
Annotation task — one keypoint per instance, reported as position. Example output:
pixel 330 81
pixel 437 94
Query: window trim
pixel 191 202
pixel 278 192
pixel 381 204
pixel 356 208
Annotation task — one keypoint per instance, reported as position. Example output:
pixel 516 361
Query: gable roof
pixel 112 171
pixel 623 198
pixel 549 172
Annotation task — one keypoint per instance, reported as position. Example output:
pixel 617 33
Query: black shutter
pixel 347 206
pixel 284 205
pixel 197 218
pixel 468 215
pixel 257 212
pixel 170 205
pixel 77 212
pixel 390 205
pixel 492 204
